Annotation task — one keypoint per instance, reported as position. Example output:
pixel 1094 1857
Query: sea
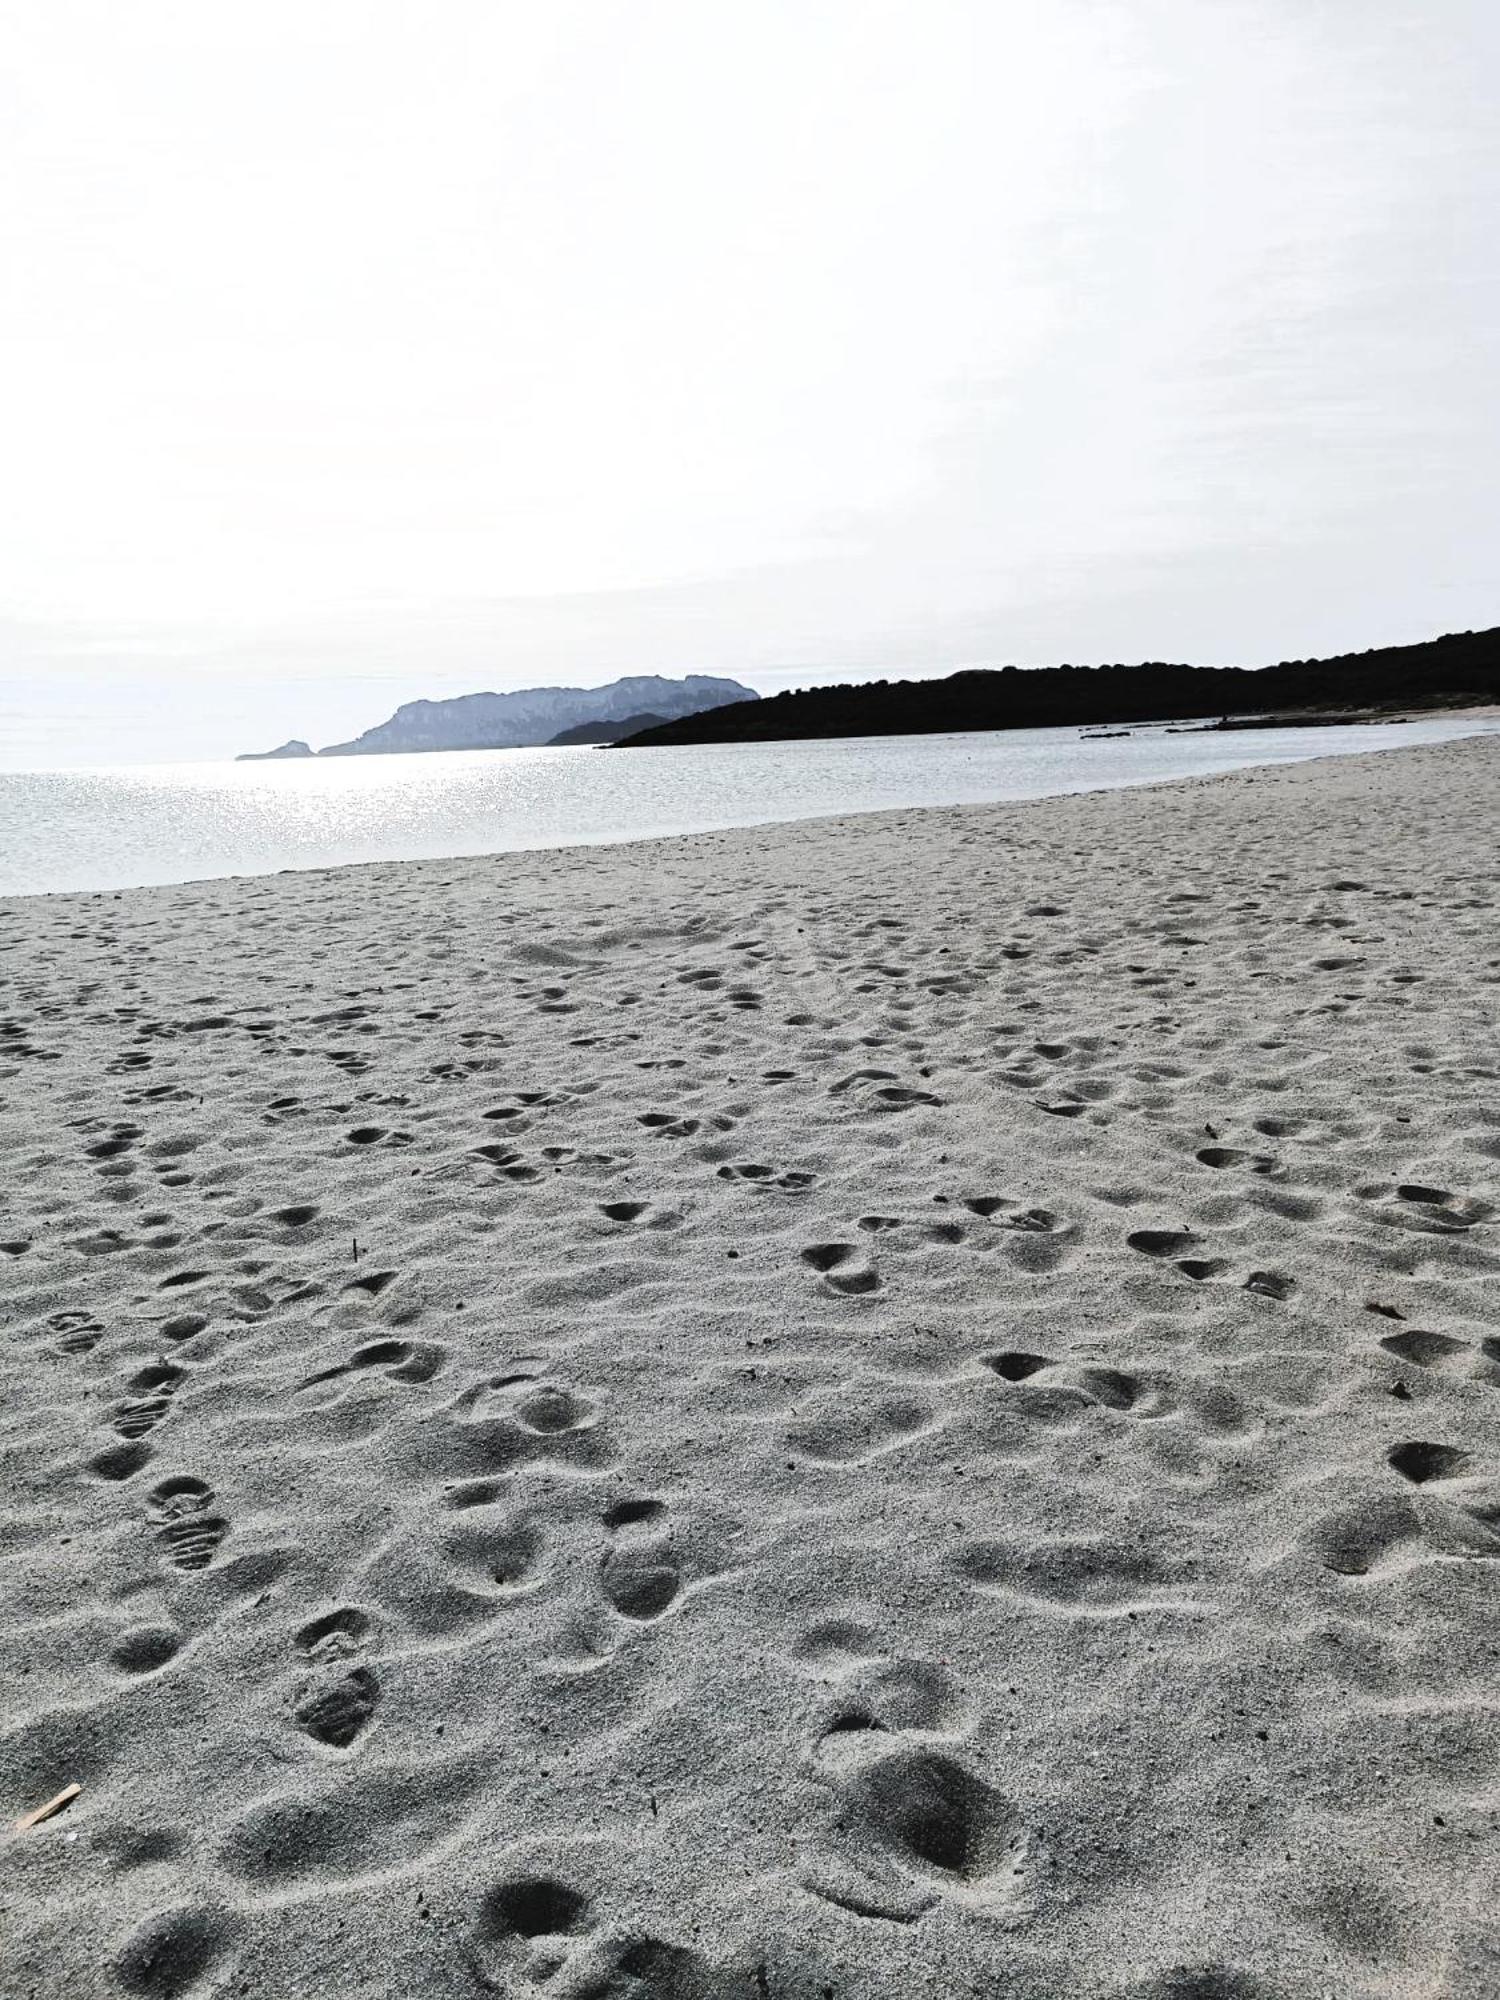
pixel 129 826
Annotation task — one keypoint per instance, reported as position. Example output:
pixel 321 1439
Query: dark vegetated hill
pixel 600 731
pixel 1459 669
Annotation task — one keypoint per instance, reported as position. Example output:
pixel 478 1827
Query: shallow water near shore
pixel 131 826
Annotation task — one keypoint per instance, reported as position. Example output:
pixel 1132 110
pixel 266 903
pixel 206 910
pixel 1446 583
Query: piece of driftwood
pixel 64 1798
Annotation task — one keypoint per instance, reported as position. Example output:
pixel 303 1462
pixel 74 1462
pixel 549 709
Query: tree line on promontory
pixel 1458 670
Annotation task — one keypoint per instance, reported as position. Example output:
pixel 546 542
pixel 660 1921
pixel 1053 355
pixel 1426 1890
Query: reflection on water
pixel 112 829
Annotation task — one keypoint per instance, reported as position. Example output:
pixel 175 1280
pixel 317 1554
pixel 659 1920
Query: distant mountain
pixel 295 748
pixel 1459 669
pixel 603 732
pixel 536 715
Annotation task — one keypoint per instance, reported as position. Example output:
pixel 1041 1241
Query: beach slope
pixel 899 1406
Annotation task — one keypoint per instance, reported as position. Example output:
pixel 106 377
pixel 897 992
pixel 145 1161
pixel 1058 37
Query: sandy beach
pixel 903 1406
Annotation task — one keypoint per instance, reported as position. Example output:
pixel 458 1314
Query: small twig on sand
pixel 64 1798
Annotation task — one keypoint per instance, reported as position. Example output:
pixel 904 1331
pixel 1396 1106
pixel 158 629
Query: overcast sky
pixel 356 352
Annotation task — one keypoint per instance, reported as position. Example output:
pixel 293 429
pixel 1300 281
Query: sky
pixel 351 353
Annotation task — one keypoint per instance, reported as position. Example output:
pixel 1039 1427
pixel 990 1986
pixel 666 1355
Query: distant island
pixel 294 748
pixel 1458 670
pixel 528 716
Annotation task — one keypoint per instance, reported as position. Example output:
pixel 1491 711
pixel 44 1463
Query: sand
pixel 901 1406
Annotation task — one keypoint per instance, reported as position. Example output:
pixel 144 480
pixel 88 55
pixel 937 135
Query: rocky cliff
pixel 536 715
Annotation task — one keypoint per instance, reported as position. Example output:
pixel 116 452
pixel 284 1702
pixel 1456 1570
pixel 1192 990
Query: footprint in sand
pixel 77 1332
pixel 373 1283
pixel 894 1697
pixel 155 1386
pixel 880 1090
pixel 1007 1212
pixel 532 1924
pixel 1419 1463
pixel 1173 1245
pixel 535 1928
pixel 638 1215
pixel 1070 1388
pixel 1161 1242
pixel 1115 1388
pixel 1431 1211
pixel 663 1125
pixel 842 1269
pixel 552 1411
pixel 337 1713
pixel 1032 1237
pixel 377 1135
pixel 120 1461
pixel 1222 1157
pixel 915 1825
pixel 844 1431
pixel 187 1535
pixel 1085 1578
pixel 183 1326
pixel 173 1952
pixel 1357 1540
pixel 398 1360
pixel 641 1584
pixel 145 1649
pixel 335 1702
pixel 1423 1349
pixel 1445 1354
pixel 507 1161
pixel 641 1575
pixel 336 1635
pixel 1270 1284
pixel 502 1422
pixel 1014 1364
pixel 754 1175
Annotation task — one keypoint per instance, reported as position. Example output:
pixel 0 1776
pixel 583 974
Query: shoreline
pixel 631 841
pixel 902 1403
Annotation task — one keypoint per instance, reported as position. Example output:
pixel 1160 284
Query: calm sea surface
pixel 116 829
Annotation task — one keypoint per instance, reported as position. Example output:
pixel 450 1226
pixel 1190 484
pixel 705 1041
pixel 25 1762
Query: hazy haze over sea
pixel 122 828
